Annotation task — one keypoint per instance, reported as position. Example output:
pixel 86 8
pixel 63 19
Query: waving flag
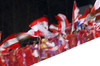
pixel 75 11
pixel 63 23
pixel 95 14
pixel 11 42
pixel 75 15
pixel 96 5
pixel 23 35
pixel 42 21
pixel 2 48
pixel 87 11
pixel 83 18
pixel 33 33
pixel 35 25
pixel 53 27
pixel 40 32
pixel 79 25
pixel 62 17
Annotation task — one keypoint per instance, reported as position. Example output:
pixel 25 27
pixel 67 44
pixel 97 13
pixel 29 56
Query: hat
pixel 43 40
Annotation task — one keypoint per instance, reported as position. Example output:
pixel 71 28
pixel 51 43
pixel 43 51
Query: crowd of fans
pixel 26 51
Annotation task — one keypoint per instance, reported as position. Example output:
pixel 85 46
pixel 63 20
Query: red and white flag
pixel 43 21
pixel 2 48
pixel 11 42
pixel 83 18
pixel 75 12
pixel 62 17
pixel 36 26
pixel 87 11
pixel 22 35
pixel 97 16
pixel 53 27
pixel 75 15
pixel 33 33
pixel 40 32
pixel 63 23
pixel 96 5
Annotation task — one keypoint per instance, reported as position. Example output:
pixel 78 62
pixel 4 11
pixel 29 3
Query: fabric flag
pixel 83 18
pixel 96 5
pixel 81 21
pixel 93 16
pixel 40 32
pixel 75 15
pixel 92 26
pixel 45 32
pixel 11 42
pixel 87 11
pixel 43 21
pixel 23 35
pixel 75 11
pixel 79 26
pixel 96 14
pixel 53 27
pixel 35 31
pixel 62 17
pixel 2 48
pixel 63 23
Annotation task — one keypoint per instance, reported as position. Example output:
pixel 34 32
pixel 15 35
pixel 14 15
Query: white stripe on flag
pixel 60 15
pixel 35 28
pixel 11 42
pixel 31 32
pixel 76 12
pixel 1 48
pixel 22 36
pixel 44 24
pixel 82 20
pixel 97 14
pixel 97 4
pixel 53 27
pixel 63 26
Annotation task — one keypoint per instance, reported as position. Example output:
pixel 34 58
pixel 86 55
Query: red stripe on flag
pixel 11 42
pixel 38 21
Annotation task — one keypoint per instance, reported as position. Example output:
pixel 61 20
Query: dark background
pixel 16 15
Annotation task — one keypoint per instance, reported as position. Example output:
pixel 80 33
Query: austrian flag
pixel 63 23
pixel 10 42
pixel 75 11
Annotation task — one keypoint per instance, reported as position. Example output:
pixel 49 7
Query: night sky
pixel 16 15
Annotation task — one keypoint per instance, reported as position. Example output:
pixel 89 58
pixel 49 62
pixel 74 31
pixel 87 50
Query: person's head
pixel 90 22
pixel 50 40
pixel 64 36
pixel 43 40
